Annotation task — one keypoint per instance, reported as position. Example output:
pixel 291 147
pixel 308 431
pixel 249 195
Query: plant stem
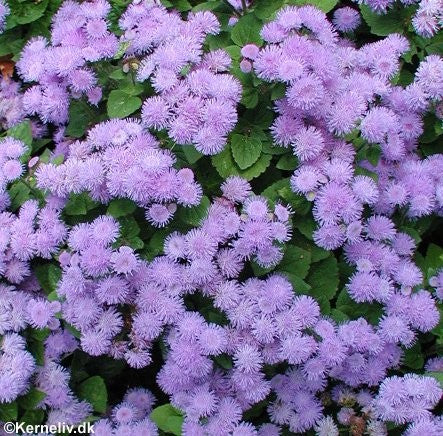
pixel 243 6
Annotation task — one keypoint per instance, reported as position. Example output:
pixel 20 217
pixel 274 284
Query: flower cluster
pixel 121 160
pixel 98 279
pixel 131 416
pixel 4 12
pixel 325 100
pixel 427 20
pixel 195 97
pixel 16 367
pixel 11 105
pixel 437 283
pixel 10 167
pixel 53 380
pixel 34 232
pixel 79 35
pixel 409 399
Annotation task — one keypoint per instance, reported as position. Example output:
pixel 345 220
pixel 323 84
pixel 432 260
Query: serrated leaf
pixel 413 357
pixel 94 391
pixel 48 276
pixel 81 115
pixel 295 261
pixel 79 204
pixel 287 162
pixel 437 375
pixel 18 193
pixel 31 399
pixel 8 412
pixel 225 165
pixel 33 417
pixel 120 104
pixel 323 278
pixel 194 215
pixel 26 12
pixel 192 155
pixel 324 5
pixel 265 9
pixel 384 24
pixel 22 132
pixel 168 419
pixel 247 31
pixel 121 207
pixel 245 149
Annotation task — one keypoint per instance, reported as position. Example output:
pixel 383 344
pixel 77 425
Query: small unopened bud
pixel 245 66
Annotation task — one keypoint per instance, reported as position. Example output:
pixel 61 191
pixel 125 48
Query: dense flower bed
pixel 222 217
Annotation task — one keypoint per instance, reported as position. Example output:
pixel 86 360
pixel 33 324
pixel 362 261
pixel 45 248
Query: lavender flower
pixel 79 35
pixel 195 97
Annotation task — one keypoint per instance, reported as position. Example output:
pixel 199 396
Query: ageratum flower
pixel 195 97
pixel 79 35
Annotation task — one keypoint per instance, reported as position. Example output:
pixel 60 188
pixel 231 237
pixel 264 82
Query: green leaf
pixel 324 5
pixel 31 399
pixel 295 262
pixel 168 419
pixel 22 132
pixel 323 278
pixel 18 193
pixel 371 312
pixel 224 361
pixel 249 97
pixel 394 21
pixel 287 162
pixel 373 154
pixel 413 357
pixel 8 412
pixel 194 215
pixel 37 349
pixel 79 204
pixel 234 51
pixel 94 391
pixel 48 276
pixel 437 375
pixel 26 12
pixel 33 417
pixel 40 334
pixel 247 31
pixel 192 155
pixel 81 115
pixel 225 165
pixel 121 207
pixel 245 149
pixel 120 104
pixel 265 9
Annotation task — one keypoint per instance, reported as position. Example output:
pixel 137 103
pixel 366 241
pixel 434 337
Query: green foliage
pixel 31 399
pixel 324 5
pixel 48 276
pixel 226 166
pixel 94 391
pixel 121 207
pixel 247 31
pixel 246 150
pixel 193 216
pixel 168 419
pixel 8 412
pixel 323 278
pixel 79 204
pixel 383 24
pixel 120 104
pixel 81 116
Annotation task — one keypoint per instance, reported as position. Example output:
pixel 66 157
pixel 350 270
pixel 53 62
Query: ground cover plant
pixel 222 217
